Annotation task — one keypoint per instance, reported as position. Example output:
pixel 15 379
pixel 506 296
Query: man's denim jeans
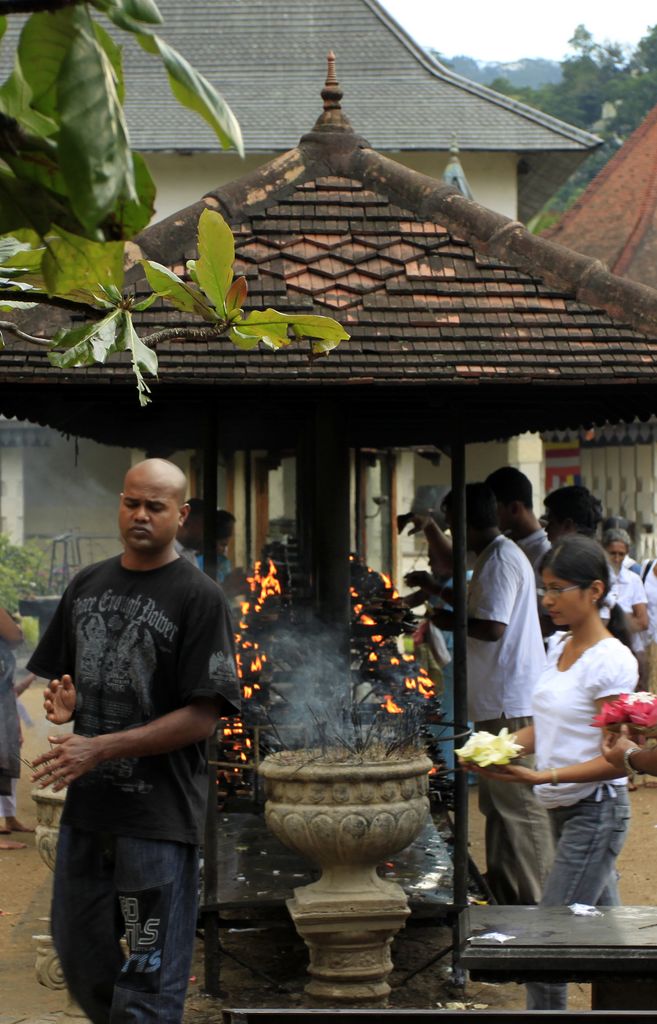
pixel 107 887
pixel 590 836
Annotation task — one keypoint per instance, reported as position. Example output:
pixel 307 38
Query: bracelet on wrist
pixel 554 777
pixel 627 763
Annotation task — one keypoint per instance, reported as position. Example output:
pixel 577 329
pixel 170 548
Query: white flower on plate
pixel 484 748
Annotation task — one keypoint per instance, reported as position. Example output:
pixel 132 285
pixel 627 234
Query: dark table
pixel 616 952
pixel 257 873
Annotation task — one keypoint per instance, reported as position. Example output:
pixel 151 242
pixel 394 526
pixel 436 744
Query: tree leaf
pixel 214 267
pixel 75 267
pixel 185 297
pixel 246 342
pixel 272 325
pixel 24 204
pixel 131 215
pixel 15 101
pixel 87 344
pixel 194 91
pixel 94 152
pixel 114 55
pixel 146 303
pixel 42 48
pixel 6 305
pixel 140 10
pixel 9 247
pixel 143 358
pixel 236 296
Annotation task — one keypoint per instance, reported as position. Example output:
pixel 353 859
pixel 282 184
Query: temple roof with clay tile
pixel 615 218
pixel 435 290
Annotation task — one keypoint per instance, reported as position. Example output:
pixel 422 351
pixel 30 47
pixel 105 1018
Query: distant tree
pixel 605 88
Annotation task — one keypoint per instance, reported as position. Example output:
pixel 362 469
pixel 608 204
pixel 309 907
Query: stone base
pixel 349 937
pixel 49 974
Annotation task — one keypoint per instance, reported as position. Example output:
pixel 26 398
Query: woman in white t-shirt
pixel 588 805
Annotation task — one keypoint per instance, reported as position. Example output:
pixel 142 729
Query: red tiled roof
pixel 615 218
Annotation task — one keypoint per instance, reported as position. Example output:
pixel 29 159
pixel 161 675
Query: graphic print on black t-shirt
pixel 140 645
pixel 117 638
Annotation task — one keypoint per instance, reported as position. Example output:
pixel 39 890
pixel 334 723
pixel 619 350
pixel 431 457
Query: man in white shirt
pixel 505 656
pixel 515 514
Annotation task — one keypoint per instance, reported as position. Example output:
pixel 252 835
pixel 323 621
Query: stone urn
pixel 347 817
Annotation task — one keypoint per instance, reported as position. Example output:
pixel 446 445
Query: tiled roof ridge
pixel 446 74
pixel 342 153
pixel 585 277
pixel 621 157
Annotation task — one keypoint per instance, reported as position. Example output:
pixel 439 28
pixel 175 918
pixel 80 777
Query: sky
pixel 511 29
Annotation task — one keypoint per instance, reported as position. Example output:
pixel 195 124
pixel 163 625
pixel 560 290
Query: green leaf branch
pixel 65 155
pixel 87 276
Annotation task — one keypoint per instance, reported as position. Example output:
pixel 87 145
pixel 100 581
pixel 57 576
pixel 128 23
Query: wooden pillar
pixel 210 913
pixel 459 547
pixel 330 532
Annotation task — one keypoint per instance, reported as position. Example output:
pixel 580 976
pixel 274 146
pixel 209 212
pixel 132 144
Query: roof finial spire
pixel 331 93
pixel 454 174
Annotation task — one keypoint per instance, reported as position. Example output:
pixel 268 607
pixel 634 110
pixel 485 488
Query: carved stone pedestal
pixel 347 818
pixel 48 968
pixel 349 937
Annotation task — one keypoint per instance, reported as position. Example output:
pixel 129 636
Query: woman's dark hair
pixel 582 560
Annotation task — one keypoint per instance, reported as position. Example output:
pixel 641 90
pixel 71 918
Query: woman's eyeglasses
pixel 556 591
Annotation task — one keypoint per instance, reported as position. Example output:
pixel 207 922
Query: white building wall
pixel 182 180
pixel 12 494
pixel 73 488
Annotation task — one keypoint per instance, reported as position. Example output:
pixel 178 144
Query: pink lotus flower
pixel 630 709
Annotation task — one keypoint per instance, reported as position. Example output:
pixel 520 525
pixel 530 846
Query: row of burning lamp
pixel 383 655
pixel 251 658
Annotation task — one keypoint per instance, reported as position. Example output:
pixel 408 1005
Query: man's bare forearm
pixel 440 549
pixel 178 729
pixel 478 629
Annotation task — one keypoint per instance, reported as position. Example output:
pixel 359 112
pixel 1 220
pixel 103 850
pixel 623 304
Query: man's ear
pixel 183 513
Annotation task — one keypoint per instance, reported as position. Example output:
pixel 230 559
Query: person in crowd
pixel 505 654
pixel 189 539
pixel 626 588
pixel 515 513
pixel 584 794
pixel 224 529
pixel 11 636
pixel 649 580
pixel 8 820
pixel 571 509
pixel 140 656
pixel 620 523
